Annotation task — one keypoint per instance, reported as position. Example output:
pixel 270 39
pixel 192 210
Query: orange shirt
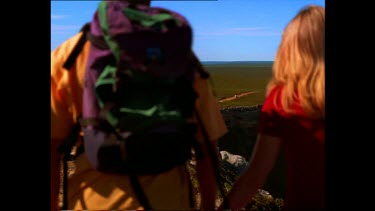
pixel 90 189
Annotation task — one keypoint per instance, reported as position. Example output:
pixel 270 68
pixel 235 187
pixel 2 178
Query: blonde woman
pixel 292 118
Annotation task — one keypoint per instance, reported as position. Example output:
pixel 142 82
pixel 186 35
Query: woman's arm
pixel 263 158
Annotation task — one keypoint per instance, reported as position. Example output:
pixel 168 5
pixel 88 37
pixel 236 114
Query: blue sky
pixel 224 30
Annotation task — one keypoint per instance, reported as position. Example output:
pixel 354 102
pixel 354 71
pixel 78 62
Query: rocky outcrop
pixel 235 149
pixel 231 167
pixel 238 162
pixel 242 125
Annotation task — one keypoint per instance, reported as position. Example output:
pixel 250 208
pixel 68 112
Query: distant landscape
pixel 235 77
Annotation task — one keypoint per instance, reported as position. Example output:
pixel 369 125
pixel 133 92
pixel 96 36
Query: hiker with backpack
pixel 131 85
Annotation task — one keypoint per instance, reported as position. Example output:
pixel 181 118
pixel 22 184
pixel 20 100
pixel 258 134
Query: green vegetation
pixel 235 78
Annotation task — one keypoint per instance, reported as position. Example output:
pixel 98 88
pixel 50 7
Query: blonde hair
pixel 299 64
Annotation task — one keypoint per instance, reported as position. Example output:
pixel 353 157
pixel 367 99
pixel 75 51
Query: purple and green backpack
pixel 138 98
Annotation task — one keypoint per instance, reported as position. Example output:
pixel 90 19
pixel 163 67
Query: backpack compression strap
pixel 104 26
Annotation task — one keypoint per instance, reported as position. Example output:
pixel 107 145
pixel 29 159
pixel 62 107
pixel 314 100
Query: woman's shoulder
pixel 273 104
pixel 272 101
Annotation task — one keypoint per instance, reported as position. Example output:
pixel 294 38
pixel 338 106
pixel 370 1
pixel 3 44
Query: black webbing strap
pixel 215 160
pixel 77 48
pixel 67 145
pixel 86 35
pixel 139 192
pixel 65 185
pixel 65 149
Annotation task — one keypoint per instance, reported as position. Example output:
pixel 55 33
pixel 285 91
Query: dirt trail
pixel 236 96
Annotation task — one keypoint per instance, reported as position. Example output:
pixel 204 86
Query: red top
pixel 304 144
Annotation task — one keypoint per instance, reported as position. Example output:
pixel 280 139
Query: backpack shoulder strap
pixel 65 149
pixel 86 35
pixel 139 192
pixel 77 48
pixel 215 160
pixel 198 65
pixel 68 143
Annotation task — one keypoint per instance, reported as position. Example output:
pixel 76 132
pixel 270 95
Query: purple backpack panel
pixel 160 47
